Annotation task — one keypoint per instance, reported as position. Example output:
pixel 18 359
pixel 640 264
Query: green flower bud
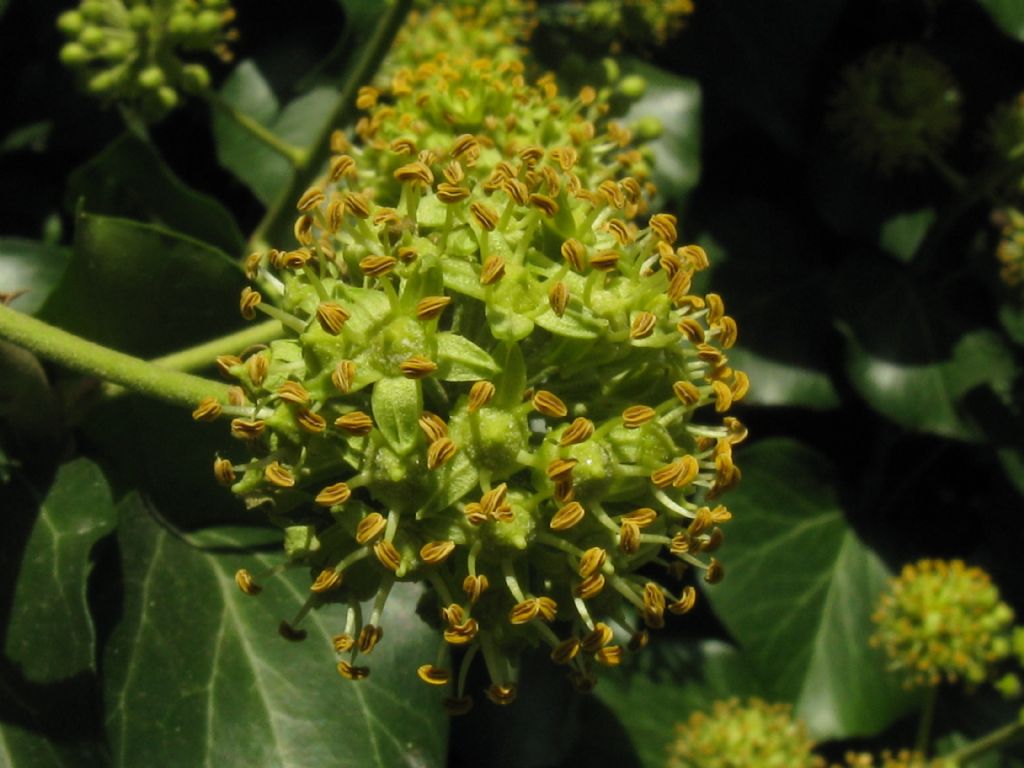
pixel 168 97
pixel 1009 686
pixel 92 37
pixel 648 128
pixel 70 23
pixel 208 22
pixel 151 77
pixel 942 621
pixel 195 77
pixel 93 10
pixel 611 69
pixel 104 82
pixel 140 17
pixel 182 25
pixel 748 734
pixel 632 87
pixel 74 54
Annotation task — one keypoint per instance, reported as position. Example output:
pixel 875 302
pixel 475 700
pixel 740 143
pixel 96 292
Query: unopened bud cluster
pixel 635 24
pixel 1010 251
pixel 496 379
pixel 942 621
pixel 897 108
pixel 749 733
pixel 129 50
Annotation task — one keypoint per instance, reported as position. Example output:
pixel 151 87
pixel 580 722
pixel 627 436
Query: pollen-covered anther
pixel 246 583
pixel 208 409
pixel 311 421
pixel 597 638
pixel 293 392
pixel 433 426
pixel 432 675
pixel 558 298
pixel 480 394
pixel 547 608
pixel 686 392
pixel 516 190
pixel 715 572
pixel 642 517
pixel 565 651
pixel 475 586
pixel 440 451
pixel 358 205
pixel 343 643
pixel 436 552
pixel 544 204
pixel 560 468
pixel 637 415
pixel 344 375
pixel 737 431
pixel 403 146
pixel 355 423
pixel 474 513
pixel 338 493
pixel 451 193
pixel 605 261
pixel 224 471
pixel 629 537
pixel 247 429
pixel 740 386
pixel 493 270
pixel 643 325
pixel 575 254
pixel 654 606
pixel 257 367
pixel 326 580
pixel 502 695
pixel 370 527
pixel 303 229
pixel 590 586
pixel 691 329
pixel 341 166
pixel 417 367
pixel 461 633
pixel 702 521
pixel 618 229
pixel 310 199
pixel 466 144
pixel 524 611
pixel 485 216
pixel 331 316
pixel 679 473
pixel 579 431
pixel 387 555
pixel 609 656
pixel 685 603
pixel 377 266
pixel 664 226
pixel 727 332
pixel 549 404
pixel 723 396
pixel 351 672
pixel 279 475
pixel 611 193
pixel 248 302
pixel 369 636
pixel 415 173
pixel 226 362
pixel 695 256
pixel 567 517
pixel 591 561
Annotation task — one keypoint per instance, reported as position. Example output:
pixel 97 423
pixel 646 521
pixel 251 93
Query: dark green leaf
pixel 197 674
pixel 32 267
pixel 32 137
pixel 902 234
pixel 799 593
pixel 663 685
pixel 1008 16
pixel 22 745
pixel 263 170
pixel 28 404
pixel 129 179
pixel 676 103
pixel 927 396
pixel 144 289
pixel 50 596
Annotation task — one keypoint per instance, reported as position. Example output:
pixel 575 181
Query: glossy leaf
pixel 799 592
pixel 902 234
pixel 144 289
pixel 30 270
pixel 775 383
pixel 262 169
pixel 205 662
pixel 1008 16
pixel 130 179
pixel 675 102
pixel 50 596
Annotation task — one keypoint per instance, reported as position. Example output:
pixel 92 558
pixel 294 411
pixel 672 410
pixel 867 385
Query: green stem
pixel 341 114
pixel 924 725
pixel 986 743
pixel 256 129
pixel 90 358
pixel 203 355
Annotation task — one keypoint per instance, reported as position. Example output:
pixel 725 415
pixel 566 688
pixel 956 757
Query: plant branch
pixel 203 355
pixel 986 743
pixel 924 725
pixel 364 68
pixel 294 155
pixel 90 358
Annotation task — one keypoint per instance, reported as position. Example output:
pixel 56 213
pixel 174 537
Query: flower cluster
pixel 747 733
pixel 940 621
pixel 497 379
pixel 129 50
pixel 1010 250
pixel 636 24
pixel 897 108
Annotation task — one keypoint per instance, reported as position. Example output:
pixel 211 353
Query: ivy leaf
pixel 262 169
pixel 676 103
pixel 50 595
pixel 143 289
pixel 129 179
pixel 197 674
pixel 1008 15
pixel 30 266
pixel 799 592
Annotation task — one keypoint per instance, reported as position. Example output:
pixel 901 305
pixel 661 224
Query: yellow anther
pixel 580 430
pixel 246 583
pixel 326 580
pixel 355 423
pixel 353 673
pixel 451 193
pixel 715 573
pixel 340 167
pixel 417 367
pixel 480 394
pixel 248 302
pixel 605 261
pixel 432 675
pixel 344 375
pixel 415 173
pixel 637 415
pixel 609 656
pixel 247 429
pixel 591 561
pixel 279 475
pixel 208 409
pixel 687 392
pixel 331 316
pixel 485 216
pixel 723 396
pixel 567 516
pixel 310 199
pixel 370 527
pixel 629 537
pixel 387 555
pixel 433 426
pixel 369 636
pixel 664 226
pixel 224 471
pixel 311 421
pixel 691 329
pixel 558 298
pixel 474 586
pixel 590 586
pixel 642 517
pixel 376 266
pixel 597 638
pixel 560 468
pixel 293 392
pixel 565 651
pixel 685 602
pixel 544 204
pixel 493 270
pixel 440 452
pixel 338 493
pixel 549 404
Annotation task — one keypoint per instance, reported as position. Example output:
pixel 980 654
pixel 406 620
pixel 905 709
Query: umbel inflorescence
pixel 496 380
